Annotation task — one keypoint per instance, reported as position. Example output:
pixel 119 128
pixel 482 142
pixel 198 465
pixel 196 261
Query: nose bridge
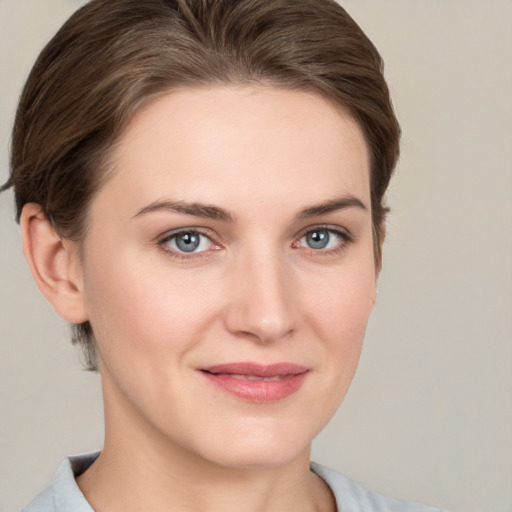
pixel 261 297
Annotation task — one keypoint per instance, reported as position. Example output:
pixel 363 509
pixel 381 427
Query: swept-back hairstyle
pixel 113 56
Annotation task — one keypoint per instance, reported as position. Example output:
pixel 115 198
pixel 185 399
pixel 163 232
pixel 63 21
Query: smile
pixel 257 383
pixel 255 377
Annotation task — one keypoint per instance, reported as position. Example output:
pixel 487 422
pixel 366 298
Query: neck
pixel 114 484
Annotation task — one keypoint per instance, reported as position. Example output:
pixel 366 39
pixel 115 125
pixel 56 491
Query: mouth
pixel 257 383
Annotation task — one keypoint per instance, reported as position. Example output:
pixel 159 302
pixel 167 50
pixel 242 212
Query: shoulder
pixel 351 496
pixel 63 494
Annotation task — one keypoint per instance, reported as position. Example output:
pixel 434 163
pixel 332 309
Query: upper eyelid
pixel 213 237
pixel 328 227
pixel 174 232
pixel 162 243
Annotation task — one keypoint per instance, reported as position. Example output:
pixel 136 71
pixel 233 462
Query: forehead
pixel 231 144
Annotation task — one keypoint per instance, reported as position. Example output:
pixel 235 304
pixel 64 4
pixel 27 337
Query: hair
pixel 113 56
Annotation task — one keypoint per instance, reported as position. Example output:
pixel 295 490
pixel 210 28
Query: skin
pixel 253 291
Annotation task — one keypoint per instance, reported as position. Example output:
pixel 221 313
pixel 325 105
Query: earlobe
pixel 54 264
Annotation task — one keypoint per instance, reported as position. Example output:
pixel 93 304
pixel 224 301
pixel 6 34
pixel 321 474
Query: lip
pixel 255 382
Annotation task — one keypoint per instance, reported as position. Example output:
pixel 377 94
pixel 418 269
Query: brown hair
pixel 111 56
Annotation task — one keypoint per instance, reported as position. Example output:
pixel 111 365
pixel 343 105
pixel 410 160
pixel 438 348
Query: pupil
pixel 187 242
pixel 318 239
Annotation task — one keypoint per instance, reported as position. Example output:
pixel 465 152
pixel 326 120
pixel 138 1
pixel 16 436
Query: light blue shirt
pixel 64 495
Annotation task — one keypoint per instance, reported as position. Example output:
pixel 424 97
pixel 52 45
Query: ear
pixel 55 264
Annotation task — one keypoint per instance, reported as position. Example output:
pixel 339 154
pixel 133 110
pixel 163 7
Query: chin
pixel 270 456
pixel 260 446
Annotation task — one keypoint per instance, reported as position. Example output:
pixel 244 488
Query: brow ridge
pixel 217 213
pixel 340 203
pixel 195 209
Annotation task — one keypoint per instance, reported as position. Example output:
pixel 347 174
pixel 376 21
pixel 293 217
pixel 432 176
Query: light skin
pixel 236 227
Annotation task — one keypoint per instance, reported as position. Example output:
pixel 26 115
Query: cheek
pixel 341 304
pixel 141 312
pixel 335 313
pixel 147 328
pixel 339 312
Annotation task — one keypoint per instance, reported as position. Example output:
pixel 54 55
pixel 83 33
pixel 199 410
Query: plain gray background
pixel 429 415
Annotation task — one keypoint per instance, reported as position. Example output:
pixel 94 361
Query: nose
pixel 261 303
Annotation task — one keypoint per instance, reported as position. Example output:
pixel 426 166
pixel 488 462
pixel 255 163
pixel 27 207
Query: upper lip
pixel 256 369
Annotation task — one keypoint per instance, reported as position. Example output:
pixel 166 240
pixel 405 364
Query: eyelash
pixel 163 244
pixel 345 238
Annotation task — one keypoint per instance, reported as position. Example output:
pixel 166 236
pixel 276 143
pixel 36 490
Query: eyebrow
pixel 340 203
pixel 214 212
pixel 196 209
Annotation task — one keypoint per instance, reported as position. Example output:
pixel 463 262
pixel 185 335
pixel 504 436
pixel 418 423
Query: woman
pixel 200 191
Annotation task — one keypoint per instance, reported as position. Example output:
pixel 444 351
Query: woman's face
pixel 228 272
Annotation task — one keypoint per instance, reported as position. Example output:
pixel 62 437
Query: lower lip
pixel 261 390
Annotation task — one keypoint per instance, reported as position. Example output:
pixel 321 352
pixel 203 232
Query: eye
pixel 319 239
pixel 323 239
pixel 188 242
